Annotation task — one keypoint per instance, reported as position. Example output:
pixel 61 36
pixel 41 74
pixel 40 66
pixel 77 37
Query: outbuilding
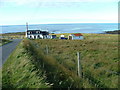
pixel 77 36
pixel 52 37
pixel 62 37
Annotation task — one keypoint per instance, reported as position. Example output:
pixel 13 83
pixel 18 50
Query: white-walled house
pixel 77 36
pixel 36 34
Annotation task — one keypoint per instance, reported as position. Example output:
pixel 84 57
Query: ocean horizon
pixel 63 27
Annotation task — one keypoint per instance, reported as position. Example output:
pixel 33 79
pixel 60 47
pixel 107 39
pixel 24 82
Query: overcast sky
pixel 18 12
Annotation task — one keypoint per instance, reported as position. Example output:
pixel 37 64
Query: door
pixel 30 37
pixel 70 37
pixel 38 36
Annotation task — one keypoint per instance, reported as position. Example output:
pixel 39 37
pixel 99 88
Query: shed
pixel 51 36
pixel 77 36
pixel 63 38
pixel 62 35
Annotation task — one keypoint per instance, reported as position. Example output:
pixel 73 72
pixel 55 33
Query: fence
pixel 85 74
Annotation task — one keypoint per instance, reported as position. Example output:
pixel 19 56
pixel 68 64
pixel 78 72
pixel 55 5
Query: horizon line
pixel 58 23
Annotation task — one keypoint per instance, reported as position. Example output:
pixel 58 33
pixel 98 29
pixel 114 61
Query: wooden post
pixel 46 49
pixel 79 65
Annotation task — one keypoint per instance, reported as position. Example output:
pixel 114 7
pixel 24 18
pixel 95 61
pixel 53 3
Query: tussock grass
pixel 19 72
pixel 99 56
pixel 56 73
pixel 0 78
pixel 58 68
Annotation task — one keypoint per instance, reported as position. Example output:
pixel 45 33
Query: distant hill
pixel 113 32
pixel 15 33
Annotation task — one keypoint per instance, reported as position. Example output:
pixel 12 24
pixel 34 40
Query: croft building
pixel 36 34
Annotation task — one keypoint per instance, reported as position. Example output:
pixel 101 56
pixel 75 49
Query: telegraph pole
pixel 27 26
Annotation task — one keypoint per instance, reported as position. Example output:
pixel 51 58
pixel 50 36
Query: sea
pixel 62 28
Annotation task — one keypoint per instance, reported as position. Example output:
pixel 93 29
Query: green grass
pixel 4 41
pixel 56 73
pixel 0 78
pixel 30 65
pixel 99 56
pixel 19 72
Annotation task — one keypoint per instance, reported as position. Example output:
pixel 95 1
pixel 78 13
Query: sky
pixel 18 12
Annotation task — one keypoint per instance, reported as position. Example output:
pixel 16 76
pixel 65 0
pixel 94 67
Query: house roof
pixel 77 34
pixel 36 32
pixel 32 30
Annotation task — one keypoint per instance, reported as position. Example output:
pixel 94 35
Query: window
pixel 37 32
pixel 30 36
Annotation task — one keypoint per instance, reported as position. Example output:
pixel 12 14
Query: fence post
pixel 46 49
pixel 79 65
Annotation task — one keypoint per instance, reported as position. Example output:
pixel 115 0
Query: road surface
pixel 7 49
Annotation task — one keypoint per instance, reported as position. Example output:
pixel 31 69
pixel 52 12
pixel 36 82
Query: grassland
pixel 4 41
pixel 17 35
pixel 20 72
pixel 58 65
pixel 99 56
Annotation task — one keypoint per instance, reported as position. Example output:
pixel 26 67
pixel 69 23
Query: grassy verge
pixel 19 72
pixel 56 73
pixel 25 69
pixel 4 41
pixel 0 78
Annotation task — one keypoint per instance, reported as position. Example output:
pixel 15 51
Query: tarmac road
pixel 7 49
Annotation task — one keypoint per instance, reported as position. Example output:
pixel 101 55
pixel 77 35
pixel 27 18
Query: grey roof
pixel 36 32
pixel 32 30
